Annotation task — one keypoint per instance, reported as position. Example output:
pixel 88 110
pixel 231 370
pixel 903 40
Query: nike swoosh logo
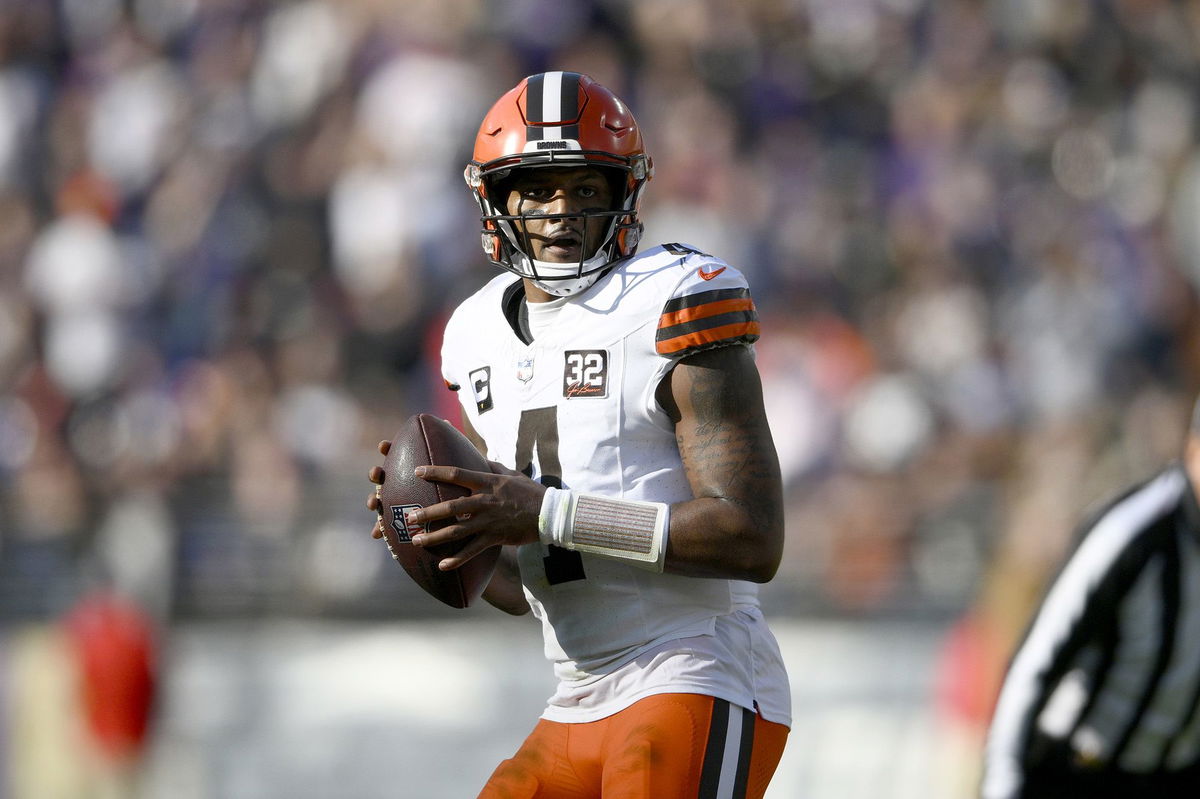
pixel 709 275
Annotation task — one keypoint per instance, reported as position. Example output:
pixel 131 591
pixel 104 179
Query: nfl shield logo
pixel 404 530
pixel 525 370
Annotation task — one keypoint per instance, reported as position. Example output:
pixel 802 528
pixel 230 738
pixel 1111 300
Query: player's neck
pixel 534 293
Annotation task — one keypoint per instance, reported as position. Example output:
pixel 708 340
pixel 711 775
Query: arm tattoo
pixel 726 445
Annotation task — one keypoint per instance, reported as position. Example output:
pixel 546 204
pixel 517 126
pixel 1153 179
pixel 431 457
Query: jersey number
pixel 538 430
pixel 584 368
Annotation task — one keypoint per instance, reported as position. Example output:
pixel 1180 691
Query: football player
pixel 634 483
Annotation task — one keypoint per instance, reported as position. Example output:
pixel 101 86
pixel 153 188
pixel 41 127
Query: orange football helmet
pixel 559 119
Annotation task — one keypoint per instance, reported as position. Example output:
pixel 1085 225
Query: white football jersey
pixel 576 408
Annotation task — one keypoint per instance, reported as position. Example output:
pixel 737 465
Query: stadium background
pixel 230 231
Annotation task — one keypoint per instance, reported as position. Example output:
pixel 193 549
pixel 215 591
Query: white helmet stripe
pixel 552 99
pixel 552 110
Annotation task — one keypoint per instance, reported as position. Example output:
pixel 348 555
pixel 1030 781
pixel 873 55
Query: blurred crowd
pixel 230 232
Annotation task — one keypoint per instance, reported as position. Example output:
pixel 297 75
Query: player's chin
pixel 561 254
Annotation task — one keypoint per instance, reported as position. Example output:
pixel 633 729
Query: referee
pixel 1102 698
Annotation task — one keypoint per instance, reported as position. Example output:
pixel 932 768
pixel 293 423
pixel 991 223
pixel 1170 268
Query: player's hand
pixel 503 508
pixel 374 503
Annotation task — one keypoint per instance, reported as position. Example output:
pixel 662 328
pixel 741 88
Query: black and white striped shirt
pixel 1105 687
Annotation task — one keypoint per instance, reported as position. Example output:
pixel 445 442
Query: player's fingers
pixel 466 529
pixel 444 535
pixel 376 475
pixel 453 474
pixel 500 468
pixel 461 508
pixel 469 550
pixel 375 503
pixel 385 447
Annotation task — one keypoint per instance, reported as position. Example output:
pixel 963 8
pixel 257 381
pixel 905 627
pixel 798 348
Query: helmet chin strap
pixel 564 287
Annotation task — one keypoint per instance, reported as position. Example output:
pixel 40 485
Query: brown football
pixel 426 440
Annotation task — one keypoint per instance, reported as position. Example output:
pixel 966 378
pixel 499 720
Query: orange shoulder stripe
pixel 701 311
pixel 710 335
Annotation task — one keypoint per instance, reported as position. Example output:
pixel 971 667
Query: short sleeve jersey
pixel 576 408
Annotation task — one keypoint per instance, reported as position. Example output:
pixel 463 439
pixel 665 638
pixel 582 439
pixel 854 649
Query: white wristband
pixel 622 529
pixel 553 521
